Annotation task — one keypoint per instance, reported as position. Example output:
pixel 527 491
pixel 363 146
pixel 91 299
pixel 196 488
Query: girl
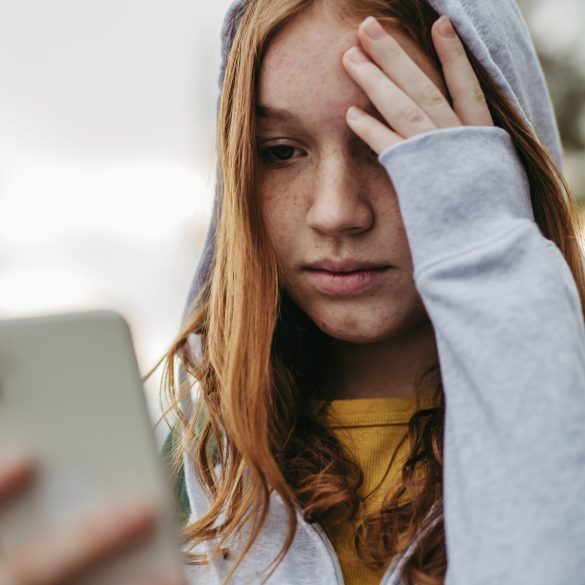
pixel 385 334
pixel 394 249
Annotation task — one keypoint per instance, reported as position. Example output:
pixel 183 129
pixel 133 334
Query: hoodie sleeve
pixel 511 341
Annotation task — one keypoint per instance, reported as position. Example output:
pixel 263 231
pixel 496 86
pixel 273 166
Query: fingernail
pixel 373 28
pixel 446 28
pixel 353 113
pixel 356 56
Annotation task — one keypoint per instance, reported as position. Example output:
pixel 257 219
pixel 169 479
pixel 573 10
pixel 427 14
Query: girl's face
pixel 325 198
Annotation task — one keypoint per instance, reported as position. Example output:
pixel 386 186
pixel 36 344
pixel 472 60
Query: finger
pixel 397 64
pixel 375 134
pixel 52 561
pixel 398 109
pixel 469 100
pixel 16 471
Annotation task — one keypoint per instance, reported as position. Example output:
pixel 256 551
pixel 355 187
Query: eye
pixel 278 153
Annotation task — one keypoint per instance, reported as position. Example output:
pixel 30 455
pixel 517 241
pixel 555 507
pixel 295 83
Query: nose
pixel 339 202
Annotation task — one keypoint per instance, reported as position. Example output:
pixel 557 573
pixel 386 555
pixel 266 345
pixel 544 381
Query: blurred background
pixel 557 30
pixel 107 113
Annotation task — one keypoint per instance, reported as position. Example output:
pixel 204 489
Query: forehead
pixel 302 65
pixel 302 69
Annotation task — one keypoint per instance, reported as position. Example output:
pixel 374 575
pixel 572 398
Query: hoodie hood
pixel 497 35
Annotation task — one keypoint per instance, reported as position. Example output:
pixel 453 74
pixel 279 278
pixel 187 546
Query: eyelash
pixel 266 154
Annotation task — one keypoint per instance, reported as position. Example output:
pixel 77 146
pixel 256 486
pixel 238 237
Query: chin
pixel 364 337
pixel 356 327
pixel 369 324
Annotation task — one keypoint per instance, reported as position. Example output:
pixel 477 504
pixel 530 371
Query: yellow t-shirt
pixel 370 429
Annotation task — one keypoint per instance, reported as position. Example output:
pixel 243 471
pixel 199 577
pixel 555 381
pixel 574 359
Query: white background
pixel 107 122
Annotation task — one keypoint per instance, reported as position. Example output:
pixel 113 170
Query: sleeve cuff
pixel 457 187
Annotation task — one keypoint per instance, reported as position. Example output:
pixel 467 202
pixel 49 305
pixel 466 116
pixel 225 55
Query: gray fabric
pixel 511 341
pixel 497 36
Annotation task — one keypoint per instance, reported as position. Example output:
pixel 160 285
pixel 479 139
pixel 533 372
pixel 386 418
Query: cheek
pixel 283 215
pixel 394 230
pixel 400 235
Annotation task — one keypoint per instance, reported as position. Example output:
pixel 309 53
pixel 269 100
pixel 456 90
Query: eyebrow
pixel 278 114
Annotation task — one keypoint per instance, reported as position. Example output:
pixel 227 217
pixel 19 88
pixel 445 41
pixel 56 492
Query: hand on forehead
pixel 407 97
pixel 307 71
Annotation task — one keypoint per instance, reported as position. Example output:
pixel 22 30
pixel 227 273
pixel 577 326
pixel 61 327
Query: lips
pixel 346 265
pixel 346 277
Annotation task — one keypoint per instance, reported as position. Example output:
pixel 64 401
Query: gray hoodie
pixel 510 336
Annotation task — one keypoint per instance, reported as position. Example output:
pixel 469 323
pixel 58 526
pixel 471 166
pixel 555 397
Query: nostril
pixel 340 211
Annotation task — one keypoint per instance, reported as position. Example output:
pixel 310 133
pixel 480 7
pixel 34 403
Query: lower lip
pixel 346 283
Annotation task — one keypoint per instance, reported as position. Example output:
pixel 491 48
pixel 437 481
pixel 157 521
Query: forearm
pixel 511 344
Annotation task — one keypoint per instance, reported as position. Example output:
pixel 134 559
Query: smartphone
pixel 71 392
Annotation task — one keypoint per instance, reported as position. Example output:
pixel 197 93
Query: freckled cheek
pixel 284 218
pixel 392 210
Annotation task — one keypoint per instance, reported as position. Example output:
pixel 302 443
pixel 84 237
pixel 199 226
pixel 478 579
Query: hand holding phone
pixel 93 506
pixel 58 558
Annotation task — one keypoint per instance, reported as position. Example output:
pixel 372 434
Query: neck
pixel 388 368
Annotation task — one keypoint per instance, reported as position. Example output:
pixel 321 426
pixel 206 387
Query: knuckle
pixel 476 95
pixel 431 96
pixel 413 116
pixel 458 51
pixel 392 50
